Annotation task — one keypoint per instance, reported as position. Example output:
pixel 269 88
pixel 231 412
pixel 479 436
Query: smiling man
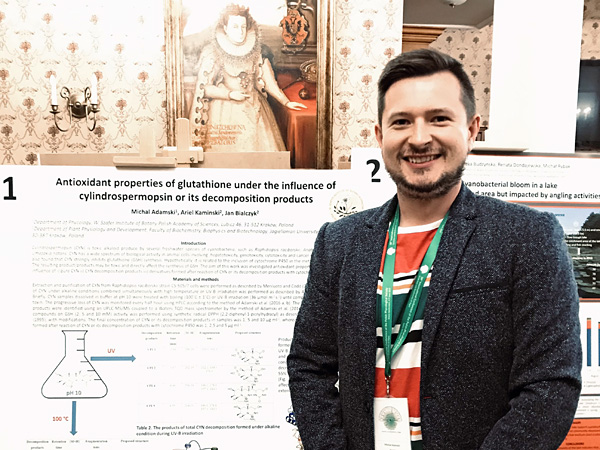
pixel 443 319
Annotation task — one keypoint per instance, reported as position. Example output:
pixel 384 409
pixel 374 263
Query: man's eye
pixel 400 122
pixel 440 119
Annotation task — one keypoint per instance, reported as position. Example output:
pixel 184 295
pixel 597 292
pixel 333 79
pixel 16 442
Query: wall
pixel 533 83
pixel 473 48
pixel 38 37
pixel 532 90
pixel 590 39
pixel 367 36
pixel 536 52
pixel 122 44
pixel 588 125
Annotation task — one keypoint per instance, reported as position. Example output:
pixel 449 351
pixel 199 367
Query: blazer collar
pixel 464 205
pixel 383 215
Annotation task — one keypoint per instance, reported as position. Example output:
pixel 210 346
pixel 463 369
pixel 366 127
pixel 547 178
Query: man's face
pixel 425 135
pixel 236 29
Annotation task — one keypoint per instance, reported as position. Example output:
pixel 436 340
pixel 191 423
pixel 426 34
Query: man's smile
pixel 420 159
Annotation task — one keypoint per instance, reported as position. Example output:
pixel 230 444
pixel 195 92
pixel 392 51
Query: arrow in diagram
pixel 74 418
pixel 112 358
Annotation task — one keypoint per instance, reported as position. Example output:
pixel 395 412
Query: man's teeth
pixel 420 159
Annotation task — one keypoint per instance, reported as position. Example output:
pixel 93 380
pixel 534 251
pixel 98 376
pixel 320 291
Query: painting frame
pixel 174 70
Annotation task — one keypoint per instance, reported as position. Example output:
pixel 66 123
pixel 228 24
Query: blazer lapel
pixel 361 284
pixel 457 232
pixel 366 259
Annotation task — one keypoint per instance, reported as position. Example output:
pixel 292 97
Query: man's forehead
pixel 439 91
pixel 440 80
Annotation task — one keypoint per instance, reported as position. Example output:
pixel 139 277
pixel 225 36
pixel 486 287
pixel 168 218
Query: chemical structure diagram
pixel 249 374
pixel 248 395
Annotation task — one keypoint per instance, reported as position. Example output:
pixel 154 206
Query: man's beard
pixel 436 189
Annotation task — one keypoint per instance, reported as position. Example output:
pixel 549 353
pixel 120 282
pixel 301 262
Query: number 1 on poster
pixel 11 195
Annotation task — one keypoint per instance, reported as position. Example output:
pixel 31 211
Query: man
pixel 485 344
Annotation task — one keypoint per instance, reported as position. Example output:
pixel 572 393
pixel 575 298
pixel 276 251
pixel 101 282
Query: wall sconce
pixel 79 104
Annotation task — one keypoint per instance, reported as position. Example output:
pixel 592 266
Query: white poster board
pixel 153 309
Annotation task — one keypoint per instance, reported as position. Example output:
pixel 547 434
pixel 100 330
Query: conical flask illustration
pixel 74 377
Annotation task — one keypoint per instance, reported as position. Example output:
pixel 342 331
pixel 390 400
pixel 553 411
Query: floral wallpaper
pixel 473 48
pixel 366 37
pixel 121 44
pixel 590 39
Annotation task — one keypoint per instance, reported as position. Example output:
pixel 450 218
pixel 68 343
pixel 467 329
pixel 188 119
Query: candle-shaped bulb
pixel 94 94
pixel 53 93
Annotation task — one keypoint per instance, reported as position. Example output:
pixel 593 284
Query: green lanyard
pixel 387 293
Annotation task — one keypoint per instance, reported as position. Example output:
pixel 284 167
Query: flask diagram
pixel 74 377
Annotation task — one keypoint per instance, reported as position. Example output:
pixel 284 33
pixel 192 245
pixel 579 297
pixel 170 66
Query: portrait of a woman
pixel 229 110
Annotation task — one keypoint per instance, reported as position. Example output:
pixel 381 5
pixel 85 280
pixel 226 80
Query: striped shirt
pixel 412 245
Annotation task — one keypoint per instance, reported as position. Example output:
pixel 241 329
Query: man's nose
pixel 420 134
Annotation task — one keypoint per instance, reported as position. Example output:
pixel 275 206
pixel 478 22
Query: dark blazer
pixel 501 353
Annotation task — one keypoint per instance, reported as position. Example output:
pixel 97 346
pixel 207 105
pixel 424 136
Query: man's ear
pixel 474 129
pixel 379 135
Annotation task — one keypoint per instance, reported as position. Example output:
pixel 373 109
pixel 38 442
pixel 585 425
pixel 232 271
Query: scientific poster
pixel 154 309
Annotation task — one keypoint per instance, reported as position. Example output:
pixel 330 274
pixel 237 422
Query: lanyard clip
pixel 387 385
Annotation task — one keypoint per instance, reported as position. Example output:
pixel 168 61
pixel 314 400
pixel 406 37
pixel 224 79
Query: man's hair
pixel 424 62
pixel 236 10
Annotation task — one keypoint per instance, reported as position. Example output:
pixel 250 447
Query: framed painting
pixel 253 79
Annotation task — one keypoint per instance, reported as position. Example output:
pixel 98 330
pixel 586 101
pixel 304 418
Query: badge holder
pixel 392 430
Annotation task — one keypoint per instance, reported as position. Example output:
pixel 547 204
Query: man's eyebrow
pixel 399 113
pixel 429 112
pixel 446 111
